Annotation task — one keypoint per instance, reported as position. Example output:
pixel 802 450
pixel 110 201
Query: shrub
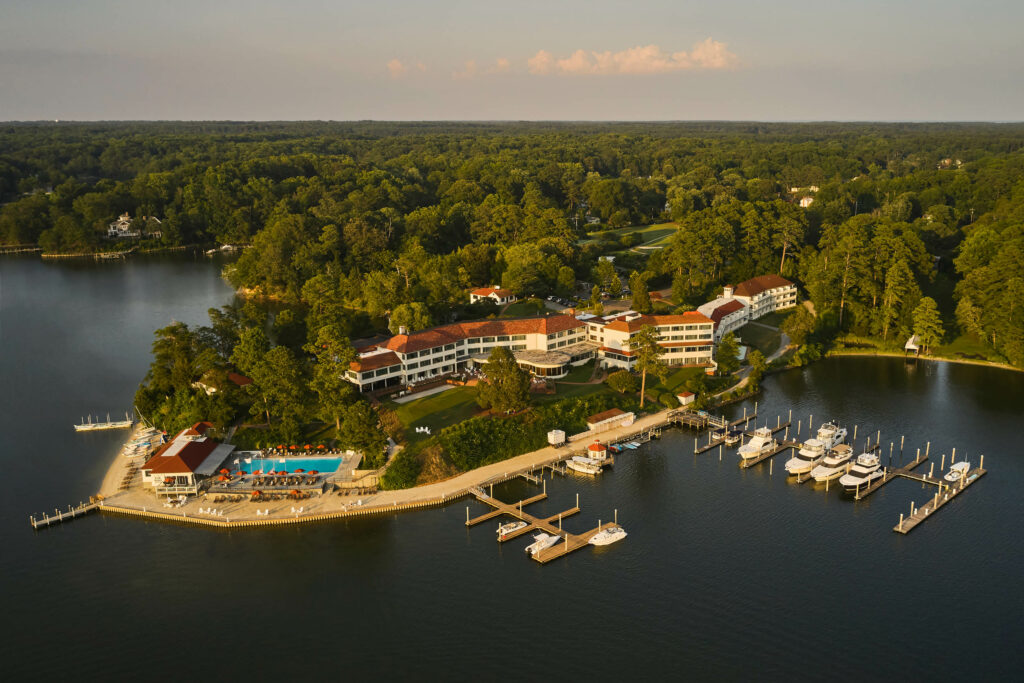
pixel 402 473
pixel 668 400
pixel 623 382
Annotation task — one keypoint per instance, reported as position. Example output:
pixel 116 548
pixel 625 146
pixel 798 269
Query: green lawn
pixel 580 374
pixel 524 308
pixel 437 411
pixel 761 338
pixel 775 318
pixel 967 347
pixel 648 233
pixel 572 391
pixel 677 380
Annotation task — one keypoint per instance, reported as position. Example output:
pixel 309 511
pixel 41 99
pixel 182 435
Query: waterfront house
pixel 124 228
pixel 494 293
pixel 180 465
pixel 806 201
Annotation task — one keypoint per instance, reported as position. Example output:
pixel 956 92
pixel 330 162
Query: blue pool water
pixel 322 465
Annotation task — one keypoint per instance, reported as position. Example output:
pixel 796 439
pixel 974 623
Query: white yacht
pixel 507 528
pixel 608 536
pixel 831 434
pixel 761 442
pixel 865 470
pixel 542 541
pixel 583 465
pixel 834 464
pixel 810 454
pixel 957 470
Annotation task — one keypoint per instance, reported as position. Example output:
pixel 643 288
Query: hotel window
pixel 518 337
pixel 503 338
pixel 449 347
pixel 488 340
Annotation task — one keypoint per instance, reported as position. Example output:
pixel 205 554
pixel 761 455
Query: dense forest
pixel 350 226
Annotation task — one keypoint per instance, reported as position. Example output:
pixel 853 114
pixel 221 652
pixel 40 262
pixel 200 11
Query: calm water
pixel 726 574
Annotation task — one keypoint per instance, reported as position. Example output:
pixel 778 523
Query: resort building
pixel 729 314
pixel 806 201
pixel 763 294
pixel 687 338
pixel 179 465
pixel 494 293
pixel 546 346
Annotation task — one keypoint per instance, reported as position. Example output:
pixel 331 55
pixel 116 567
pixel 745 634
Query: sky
pixel 898 60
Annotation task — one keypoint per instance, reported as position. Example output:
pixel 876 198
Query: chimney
pixel 727 291
pixel 402 329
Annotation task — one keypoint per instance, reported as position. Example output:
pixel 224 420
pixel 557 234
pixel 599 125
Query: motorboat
pixel 865 470
pixel 957 471
pixel 761 442
pixel 807 458
pixel 831 434
pixel 507 528
pixel 583 465
pixel 608 536
pixel 834 464
pixel 542 541
pixel 732 436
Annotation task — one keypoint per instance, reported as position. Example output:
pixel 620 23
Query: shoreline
pixel 940 359
pixel 142 503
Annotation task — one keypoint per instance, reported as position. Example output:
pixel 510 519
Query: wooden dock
pixel 569 543
pixel 757 460
pixel 946 493
pixel 891 474
pixel 58 517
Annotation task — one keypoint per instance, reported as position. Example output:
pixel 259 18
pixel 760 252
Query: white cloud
pixel 471 70
pixel 396 68
pixel 643 59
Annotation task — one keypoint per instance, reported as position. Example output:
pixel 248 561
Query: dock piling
pixel 982 463
pixel 770 463
pixel 798 425
pixel 942 465
pixel 927 448
pixel 901 521
pixel 810 424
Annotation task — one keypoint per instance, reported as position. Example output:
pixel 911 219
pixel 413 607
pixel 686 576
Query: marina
pixel 87 424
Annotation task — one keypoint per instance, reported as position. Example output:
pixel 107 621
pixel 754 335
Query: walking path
pixel 139 502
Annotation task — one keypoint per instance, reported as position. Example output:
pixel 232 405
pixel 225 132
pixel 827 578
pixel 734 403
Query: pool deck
pixel 137 501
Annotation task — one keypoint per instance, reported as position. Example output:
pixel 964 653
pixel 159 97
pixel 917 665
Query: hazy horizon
pixel 458 60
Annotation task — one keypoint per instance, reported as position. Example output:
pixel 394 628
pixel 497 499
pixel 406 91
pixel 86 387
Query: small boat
pixel 507 528
pixel 807 458
pixel 834 464
pixel 542 541
pixel 865 470
pixel 608 536
pixel 732 437
pixel 761 442
pixel 615 448
pixel 957 470
pixel 632 445
pixel 583 465
pixel 831 434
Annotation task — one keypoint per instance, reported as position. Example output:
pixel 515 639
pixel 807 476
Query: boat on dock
pixel 507 528
pixel 811 453
pixel 866 469
pixel 608 536
pixel 831 434
pixel 761 442
pixel 87 425
pixel 956 471
pixel 542 541
pixel 583 465
pixel 835 463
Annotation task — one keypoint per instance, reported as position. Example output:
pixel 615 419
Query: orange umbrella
pixel 293 447
pixel 308 446
pixel 321 447
pixel 299 471
pixel 224 471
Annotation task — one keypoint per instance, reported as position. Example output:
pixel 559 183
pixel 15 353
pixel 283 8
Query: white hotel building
pixel 546 346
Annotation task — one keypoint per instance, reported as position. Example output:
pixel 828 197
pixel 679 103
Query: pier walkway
pixel 946 493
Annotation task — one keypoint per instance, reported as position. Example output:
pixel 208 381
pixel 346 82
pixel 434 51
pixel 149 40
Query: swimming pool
pixel 321 465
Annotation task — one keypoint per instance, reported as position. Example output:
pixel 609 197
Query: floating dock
pixel 569 542
pixel 59 517
pixel 946 493
pixel 89 425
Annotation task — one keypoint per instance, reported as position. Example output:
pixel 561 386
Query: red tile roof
pixel 378 360
pixel 448 334
pixel 759 284
pixel 240 380
pixel 687 318
pixel 187 459
pixel 606 415
pixel 725 309
pixel 487 291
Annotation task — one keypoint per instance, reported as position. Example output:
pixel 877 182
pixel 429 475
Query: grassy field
pixel 677 380
pixel 524 308
pixel 437 411
pixel 649 234
pixel 775 318
pixel 761 338
pixel 966 346
pixel 580 374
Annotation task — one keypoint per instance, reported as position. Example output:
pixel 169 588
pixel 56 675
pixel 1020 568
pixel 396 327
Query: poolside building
pixel 180 465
